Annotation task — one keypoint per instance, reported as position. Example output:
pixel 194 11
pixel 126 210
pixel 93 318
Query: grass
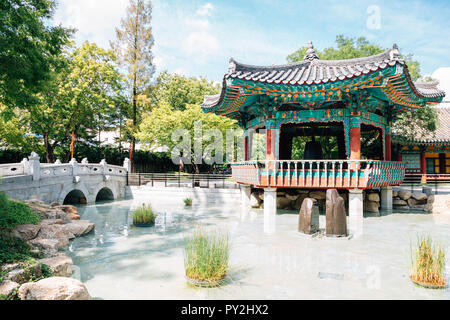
pixel 14 213
pixel 144 215
pixel 188 202
pixel 428 263
pixel 206 255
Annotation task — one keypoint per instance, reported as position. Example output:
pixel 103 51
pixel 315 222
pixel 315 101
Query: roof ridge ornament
pixel 232 66
pixel 311 53
pixel 395 53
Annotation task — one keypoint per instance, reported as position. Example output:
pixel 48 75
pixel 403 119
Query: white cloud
pixel 95 20
pixel 205 10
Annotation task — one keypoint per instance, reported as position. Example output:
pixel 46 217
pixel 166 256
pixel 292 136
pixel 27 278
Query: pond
pixel 117 261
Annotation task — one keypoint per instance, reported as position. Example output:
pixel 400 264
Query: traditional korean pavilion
pixel 341 98
pixel 427 156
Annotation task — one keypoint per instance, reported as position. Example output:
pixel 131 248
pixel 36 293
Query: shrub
pixel 14 213
pixel 188 202
pixel 428 263
pixel 144 215
pixel 13 249
pixel 206 255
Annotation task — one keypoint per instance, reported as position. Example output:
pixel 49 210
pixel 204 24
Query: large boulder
pixel 24 273
pixel 283 202
pixel 372 206
pixel 399 203
pixel 71 211
pixel 428 191
pixel 61 265
pixel 55 288
pixel 412 202
pixel 292 196
pixel 419 196
pixel 26 231
pixel 79 228
pixel 8 287
pixel 298 203
pixel 50 245
pixel 254 200
pixel 318 195
pixel 335 214
pixel 404 195
pixel 375 197
pixel 308 221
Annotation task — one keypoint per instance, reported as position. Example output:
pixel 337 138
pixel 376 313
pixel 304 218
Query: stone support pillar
pixel 35 166
pixel 386 198
pixel 270 210
pixel 356 212
pixel 246 192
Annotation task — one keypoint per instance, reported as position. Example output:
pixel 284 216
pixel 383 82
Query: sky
pixel 197 38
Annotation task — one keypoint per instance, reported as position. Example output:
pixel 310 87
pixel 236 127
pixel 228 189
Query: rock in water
pixel 55 288
pixel 336 216
pixel 309 217
pixel 61 266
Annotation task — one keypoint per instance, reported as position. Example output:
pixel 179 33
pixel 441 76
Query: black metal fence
pixel 180 180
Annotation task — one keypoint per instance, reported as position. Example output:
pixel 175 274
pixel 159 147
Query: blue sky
pixel 197 38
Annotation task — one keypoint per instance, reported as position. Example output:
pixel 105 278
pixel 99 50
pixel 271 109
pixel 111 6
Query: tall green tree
pixel 179 91
pixel 80 100
pixel 157 127
pixel 349 48
pixel 28 46
pixel 134 48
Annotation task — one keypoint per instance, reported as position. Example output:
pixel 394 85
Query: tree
pixel 349 48
pixel 80 100
pixel 157 127
pixel 179 91
pixel 134 48
pixel 28 48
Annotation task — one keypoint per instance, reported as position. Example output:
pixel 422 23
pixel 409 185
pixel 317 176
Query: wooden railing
pixel 339 174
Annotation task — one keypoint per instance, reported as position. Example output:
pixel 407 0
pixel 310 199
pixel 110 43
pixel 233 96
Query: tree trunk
pixel 50 157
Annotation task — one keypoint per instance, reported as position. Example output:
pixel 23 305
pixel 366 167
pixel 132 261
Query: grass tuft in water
pixel 188 202
pixel 206 255
pixel 144 215
pixel 428 263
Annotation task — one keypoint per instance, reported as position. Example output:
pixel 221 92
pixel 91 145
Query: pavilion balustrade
pixel 339 174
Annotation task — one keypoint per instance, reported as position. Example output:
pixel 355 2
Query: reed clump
pixel 188 202
pixel 428 263
pixel 144 215
pixel 206 255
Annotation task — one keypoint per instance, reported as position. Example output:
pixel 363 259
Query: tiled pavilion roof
pixel 313 71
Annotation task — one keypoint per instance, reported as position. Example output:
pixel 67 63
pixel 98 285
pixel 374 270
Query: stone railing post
pixel 85 161
pixel 74 165
pixel 26 166
pixel 35 166
pixel 127 165
pixel 104 166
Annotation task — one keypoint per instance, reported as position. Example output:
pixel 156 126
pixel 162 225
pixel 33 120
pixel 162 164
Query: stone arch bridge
pixel 72 182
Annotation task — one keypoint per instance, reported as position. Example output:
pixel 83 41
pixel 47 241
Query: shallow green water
pixel 269 259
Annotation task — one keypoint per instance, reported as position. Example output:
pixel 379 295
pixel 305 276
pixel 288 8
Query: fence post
pixel 153 178
pixel 179 183
pixel 139 178
pixel 207 181
pixel 165 180
pixel 128 182
pixel 193 180
pixel 35 166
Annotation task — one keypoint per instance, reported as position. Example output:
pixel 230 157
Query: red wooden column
pixel 270 144
pixel 355 148
pixel 246 155
pixel 388 146
pixel 355 143
pixel 423 167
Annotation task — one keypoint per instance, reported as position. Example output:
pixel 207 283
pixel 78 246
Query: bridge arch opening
pixel 75 197
pixel 105 194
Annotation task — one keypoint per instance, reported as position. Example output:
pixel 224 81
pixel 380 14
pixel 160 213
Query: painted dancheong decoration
pixel 343 97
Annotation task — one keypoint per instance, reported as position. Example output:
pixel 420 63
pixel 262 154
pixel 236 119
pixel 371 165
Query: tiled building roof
pixel 313 71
